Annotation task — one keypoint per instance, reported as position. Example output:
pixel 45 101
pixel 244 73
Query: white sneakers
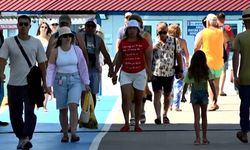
pixel 24 143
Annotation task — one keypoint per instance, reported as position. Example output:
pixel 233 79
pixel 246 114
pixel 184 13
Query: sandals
pixel 205 142
pixel 242 137
pixel 138 129
pixel 213 108
pixel 166 120
pixel 65 139
pixel 125 128
pixel 157 121
pixel 74 139
pixel 197 142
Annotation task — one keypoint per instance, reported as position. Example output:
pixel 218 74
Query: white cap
pixel 128 14
pixel 132 23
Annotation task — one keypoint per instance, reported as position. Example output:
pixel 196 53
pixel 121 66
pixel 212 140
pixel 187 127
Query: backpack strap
pixel 23 52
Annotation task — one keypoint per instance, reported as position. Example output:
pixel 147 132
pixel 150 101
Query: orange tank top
pixel 212 46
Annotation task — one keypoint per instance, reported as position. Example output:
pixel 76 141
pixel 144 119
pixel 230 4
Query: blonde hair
pixel 174 30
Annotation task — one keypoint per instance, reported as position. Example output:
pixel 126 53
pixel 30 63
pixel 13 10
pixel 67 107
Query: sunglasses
pixel 90 26
pixel 26 24
pixel 162 32
pixel 44 27
pixel 67 36
pixel 54 24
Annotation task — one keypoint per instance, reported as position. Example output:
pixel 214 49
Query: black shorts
pixel 163 82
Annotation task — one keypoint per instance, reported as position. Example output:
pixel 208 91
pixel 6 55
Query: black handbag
pixel 176 67
pixel 35 89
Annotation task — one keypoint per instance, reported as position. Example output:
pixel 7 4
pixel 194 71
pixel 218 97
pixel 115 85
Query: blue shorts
pixel 67 89
pixel 199 97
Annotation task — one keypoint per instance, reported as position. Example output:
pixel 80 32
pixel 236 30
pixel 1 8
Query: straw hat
pixel 64 30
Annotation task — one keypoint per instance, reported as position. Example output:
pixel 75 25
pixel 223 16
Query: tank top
pixel 212 46
pixel 66 61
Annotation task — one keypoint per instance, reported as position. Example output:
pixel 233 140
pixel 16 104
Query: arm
pixel 184 47
pixel 148 59
pixel 107 58
pixel 198 41
pixel 118 64
pixel 82 45
pixel 2 68
pixel 51 45
pixel 51 70
pixel 42 67
pixel 235 67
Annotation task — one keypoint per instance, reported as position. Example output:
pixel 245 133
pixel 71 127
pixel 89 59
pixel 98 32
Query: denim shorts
pixel 199 97
pixel 95 79
pixel 67 89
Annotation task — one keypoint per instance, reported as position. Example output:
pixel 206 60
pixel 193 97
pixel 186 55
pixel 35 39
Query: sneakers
pixel 24 144
pixel 132 121
pixel 242 137
pixel 143 118
pixel 3 123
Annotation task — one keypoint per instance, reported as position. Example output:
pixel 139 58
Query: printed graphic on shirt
pixel 133 55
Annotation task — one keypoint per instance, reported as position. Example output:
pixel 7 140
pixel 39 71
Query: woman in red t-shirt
pixel 134 52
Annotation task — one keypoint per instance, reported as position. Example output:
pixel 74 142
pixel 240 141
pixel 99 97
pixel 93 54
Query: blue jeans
pixel 17 96
pixel 244 93
pixel 178 87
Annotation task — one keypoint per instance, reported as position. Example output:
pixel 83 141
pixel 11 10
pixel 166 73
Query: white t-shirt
pixel 19 67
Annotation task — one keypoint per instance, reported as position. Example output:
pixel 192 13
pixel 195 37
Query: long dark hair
pixel 49 31
pixel 198 69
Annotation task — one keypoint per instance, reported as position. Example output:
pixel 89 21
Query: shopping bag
pixel 92 122
pixel 85 113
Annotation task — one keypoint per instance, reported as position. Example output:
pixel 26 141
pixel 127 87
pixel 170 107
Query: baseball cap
pixel 64 18
pixel 127 14
pixel 211 17
pixel 132 23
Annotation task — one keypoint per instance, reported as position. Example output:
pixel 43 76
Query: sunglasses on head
pixel 162 32
pixel 23 24
pixel 67 36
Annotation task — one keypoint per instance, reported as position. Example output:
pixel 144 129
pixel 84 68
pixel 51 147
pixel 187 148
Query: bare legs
pixel 63 116
pixel 196 110
pixel 126 103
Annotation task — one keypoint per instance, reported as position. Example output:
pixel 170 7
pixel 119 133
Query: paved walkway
pixel 179 135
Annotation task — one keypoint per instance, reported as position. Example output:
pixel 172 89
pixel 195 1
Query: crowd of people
pixel 71 66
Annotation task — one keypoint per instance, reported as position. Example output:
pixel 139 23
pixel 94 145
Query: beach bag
pixel 85 113
pixel 34 79
pixel 92 122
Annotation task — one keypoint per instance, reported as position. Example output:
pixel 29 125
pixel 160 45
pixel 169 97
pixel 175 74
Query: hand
pixel 111 72
pixel 87 88
pixel 48 90
pixel 114 79
pixel 150 75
